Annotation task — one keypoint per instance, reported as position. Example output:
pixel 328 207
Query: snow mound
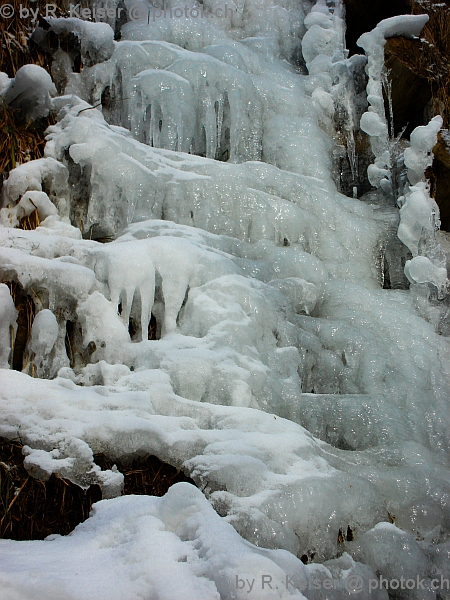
pixel 30 92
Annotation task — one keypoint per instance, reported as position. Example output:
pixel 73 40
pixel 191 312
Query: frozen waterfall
pixel 202 292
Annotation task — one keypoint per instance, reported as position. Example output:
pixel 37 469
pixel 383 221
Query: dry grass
pixel 147 475
pixel 32 509
pixel 14 35
pixel 30 222
pixel 19 143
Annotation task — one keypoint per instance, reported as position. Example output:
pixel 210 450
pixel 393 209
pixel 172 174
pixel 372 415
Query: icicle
pixel 219 118
pixel 419 213
pixel 129 271
pixel 374 121
pixel 209 123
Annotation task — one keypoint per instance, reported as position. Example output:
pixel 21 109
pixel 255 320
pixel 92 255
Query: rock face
pixel 411 93
pixel 441 177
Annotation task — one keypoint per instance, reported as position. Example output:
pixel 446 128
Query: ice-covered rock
pixel 4 82
pixel 30 92
pixel 374 121
pixel 93 40
pixel 34 176
pixel 382 549
pixel 30 202
pixel 418 157
pixel 421 270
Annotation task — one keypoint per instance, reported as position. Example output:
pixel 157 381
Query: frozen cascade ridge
pixel 204 293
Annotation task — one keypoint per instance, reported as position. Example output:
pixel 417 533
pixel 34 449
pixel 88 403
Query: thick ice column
pixel 44 336
pixel 177 269
pixel 129 270
pixel 374 121
pixel 325 35
pixel 162 110
pixel 332 75
pixel 419 213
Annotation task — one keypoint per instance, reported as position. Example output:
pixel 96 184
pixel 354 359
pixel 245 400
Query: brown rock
pixel 441 178
pixel 411 93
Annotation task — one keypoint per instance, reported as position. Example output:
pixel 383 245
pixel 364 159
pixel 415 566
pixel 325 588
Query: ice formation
pixel 203 293
pixel 374 122
pixel 30 92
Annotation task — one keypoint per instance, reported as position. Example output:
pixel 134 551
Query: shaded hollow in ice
pixel 8 325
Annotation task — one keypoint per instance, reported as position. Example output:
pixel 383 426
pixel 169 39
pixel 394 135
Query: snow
pixel 171 547
pixel 189 181
pixel 96 39
pixel 30 92
pixel 30 202
pixel 403 25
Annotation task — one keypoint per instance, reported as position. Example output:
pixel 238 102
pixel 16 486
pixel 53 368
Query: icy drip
pixel 161 110
pixel 176 100
pixel 332 84
pixel 215 87
pixel 351 153
pixel 374 121
pixel 346 102
pixel 393 254
pixel 419 213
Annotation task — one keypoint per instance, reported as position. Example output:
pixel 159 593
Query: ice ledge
pixel 403 25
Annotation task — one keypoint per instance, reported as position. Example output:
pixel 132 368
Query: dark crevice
pixel 154 332
pixel 31 509
pixel 146 475
pixel 78 355
pixel 26 312
pixel 134 327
